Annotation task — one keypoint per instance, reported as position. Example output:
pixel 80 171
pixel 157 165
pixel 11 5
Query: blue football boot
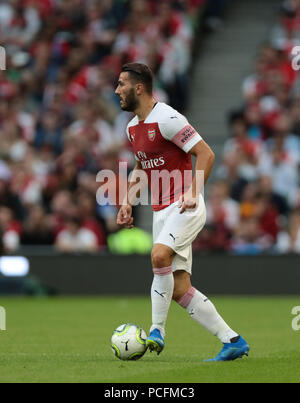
pixel 231 351
pixel 155 341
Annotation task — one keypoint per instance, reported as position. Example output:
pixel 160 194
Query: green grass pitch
pixel 68 340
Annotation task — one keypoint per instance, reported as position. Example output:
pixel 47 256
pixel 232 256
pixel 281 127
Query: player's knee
pixel 160 257
pixel 159 260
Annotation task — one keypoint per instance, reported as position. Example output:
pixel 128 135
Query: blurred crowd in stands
pixel 60 121
pixel 254 206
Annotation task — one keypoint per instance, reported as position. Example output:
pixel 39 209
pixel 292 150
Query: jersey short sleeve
pixel 176 128
pixel 128 134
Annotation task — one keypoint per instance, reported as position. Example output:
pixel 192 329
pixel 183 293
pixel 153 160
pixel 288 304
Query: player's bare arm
pixel 205 158
pixel 124 217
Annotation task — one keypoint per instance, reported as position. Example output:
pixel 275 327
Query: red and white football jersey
pixel 162 143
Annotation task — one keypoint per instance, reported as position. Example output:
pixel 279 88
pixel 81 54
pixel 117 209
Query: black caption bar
pixel 140 391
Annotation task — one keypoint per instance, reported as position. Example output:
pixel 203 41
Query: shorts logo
pixel 151 134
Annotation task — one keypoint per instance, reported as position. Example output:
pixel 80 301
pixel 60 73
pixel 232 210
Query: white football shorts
pixel 178 231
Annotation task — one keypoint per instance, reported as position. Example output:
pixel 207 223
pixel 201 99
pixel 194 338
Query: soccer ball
pixel 128 342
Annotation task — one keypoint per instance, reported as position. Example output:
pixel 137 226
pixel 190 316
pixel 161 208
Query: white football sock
pixel 203 311
pixel 161 297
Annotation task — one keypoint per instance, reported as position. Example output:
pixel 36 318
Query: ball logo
pixel 2 318
pixel 151 134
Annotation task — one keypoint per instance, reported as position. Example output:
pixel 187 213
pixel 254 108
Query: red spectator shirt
pixel 162 143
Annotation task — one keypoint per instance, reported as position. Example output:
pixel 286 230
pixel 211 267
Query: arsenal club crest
pixel 151 134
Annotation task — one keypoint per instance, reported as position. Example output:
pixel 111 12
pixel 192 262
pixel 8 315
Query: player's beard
pixel 130 103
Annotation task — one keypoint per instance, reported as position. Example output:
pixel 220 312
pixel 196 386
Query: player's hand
pixel 124 217
pixel 187 202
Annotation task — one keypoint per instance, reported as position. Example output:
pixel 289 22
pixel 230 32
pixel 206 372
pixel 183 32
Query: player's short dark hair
pixel 140 72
